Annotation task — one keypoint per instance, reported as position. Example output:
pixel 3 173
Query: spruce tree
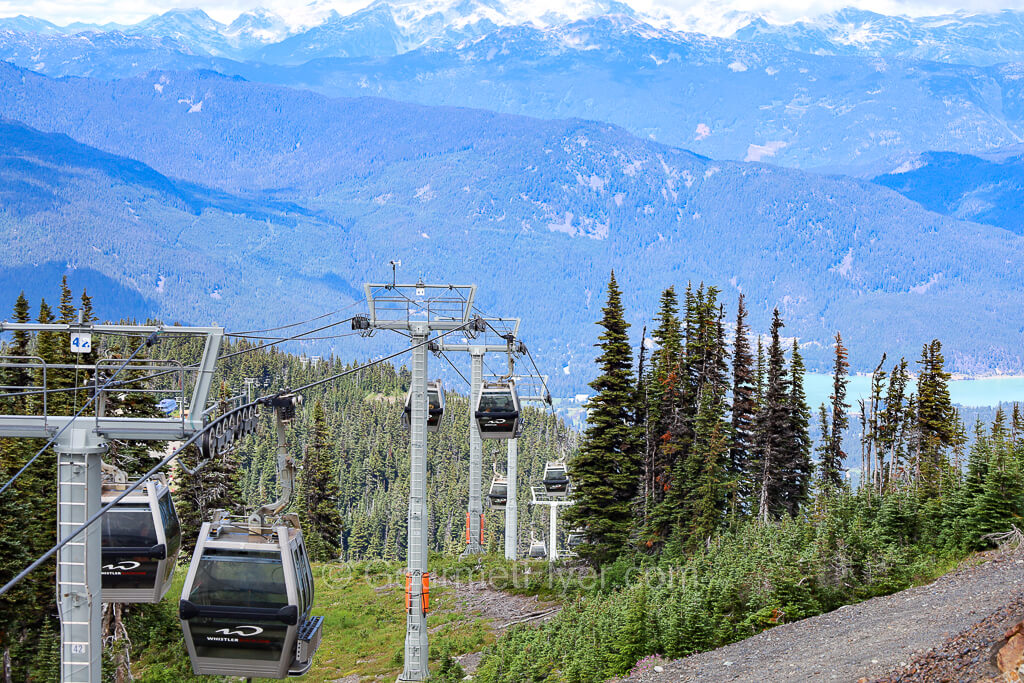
pixel 893 421
pixel 773 431
pixel 320 492
pixel 759 377
pixel 18 378
pixel 1000 502
pixel 822 450
pixel 834 455
pixel 710 486
pixel 216 485
pixel 606 467
pixel 936 420
pixel 798 461
pixel 744 410
pixel 667 377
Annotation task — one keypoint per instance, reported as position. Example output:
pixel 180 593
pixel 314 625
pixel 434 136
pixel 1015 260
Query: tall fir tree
pixel 759 376
pixel 606 467
pixel 744 410
pixel 320 492
pixel 773 430
pixel 798 464
pixel 17 377
pixel 936 420
pixel 834 455
pixel 216 485
pixel 666 371
pixel 710 484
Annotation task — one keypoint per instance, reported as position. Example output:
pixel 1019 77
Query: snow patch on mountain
pixel 762 152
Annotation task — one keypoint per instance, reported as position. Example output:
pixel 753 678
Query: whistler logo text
pixel 123 566
pixel 244 631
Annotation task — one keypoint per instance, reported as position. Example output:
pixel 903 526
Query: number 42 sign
pixel 81 342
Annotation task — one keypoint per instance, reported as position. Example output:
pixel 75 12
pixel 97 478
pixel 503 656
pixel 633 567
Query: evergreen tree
pixel 1000 501
pixel 773 431
pixel 798 462
pixel 744 410
pixel 605 469
pixel 216 485
pixel 834 455
pixel 759 384
pixel 18 378
pixel 936 420
pixel 710 487
pixel 892 426
pixel 320 492
pixel 667 393
pixel 823 445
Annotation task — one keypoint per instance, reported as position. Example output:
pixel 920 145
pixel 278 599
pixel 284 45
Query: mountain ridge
pixel 535 211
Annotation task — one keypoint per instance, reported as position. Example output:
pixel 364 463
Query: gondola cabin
pixel 141 539
pixel 497 411
pixel 537 550
pixel 435 407
pixel 556 479
pixel 497 497
pixel 246 601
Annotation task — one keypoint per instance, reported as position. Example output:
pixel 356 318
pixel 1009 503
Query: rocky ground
pixel 948 630
pixel 968 656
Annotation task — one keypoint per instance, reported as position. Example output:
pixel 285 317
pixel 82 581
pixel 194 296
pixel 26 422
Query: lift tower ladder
pixel 475 508
pixel 417 310
pixel 80 443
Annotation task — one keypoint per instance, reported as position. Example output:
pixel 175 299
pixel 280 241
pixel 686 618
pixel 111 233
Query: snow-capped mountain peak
pixel 257 25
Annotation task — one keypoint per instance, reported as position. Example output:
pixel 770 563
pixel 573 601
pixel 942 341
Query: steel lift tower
pixel 537 394
pixel 417 310
pixel 475 510
pixel 541 497
pixel 80 443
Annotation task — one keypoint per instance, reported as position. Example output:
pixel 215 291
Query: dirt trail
pixel 480 599
pixel 886 637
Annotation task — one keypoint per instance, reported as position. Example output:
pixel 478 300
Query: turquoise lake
pixel 984 391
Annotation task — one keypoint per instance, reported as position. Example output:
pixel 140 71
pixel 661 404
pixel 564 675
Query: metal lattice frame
pixel 79 444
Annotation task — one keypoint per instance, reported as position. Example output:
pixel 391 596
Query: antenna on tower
pixel 395 265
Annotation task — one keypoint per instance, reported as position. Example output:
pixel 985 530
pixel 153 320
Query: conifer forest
pixel 712 500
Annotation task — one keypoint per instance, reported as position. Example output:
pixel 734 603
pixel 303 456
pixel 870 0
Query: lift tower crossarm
pixel 141 429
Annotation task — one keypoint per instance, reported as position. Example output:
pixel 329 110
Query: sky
pixel 683 12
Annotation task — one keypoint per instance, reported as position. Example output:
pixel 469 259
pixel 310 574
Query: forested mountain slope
pixel 981 188
pixel 314 196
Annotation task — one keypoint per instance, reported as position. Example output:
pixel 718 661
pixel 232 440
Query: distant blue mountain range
pixel 977 38
pixel 218 199
pixel 726 99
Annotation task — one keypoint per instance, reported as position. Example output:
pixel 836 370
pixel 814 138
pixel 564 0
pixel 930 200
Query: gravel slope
pixel 876 638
